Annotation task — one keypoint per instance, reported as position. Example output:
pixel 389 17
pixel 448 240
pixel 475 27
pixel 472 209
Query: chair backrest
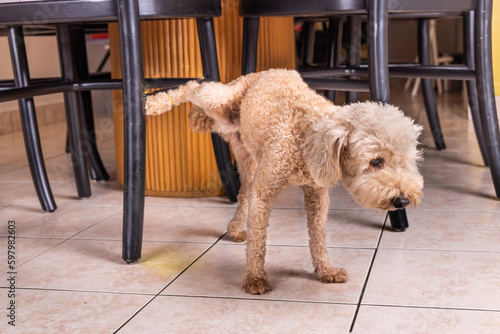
pixel 67 11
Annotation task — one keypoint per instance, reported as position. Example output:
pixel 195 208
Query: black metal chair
pixel 479 68
pixel 68 16
pixel 378 76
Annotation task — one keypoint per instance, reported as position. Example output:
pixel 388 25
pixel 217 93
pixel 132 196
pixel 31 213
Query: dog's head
pixel 372 147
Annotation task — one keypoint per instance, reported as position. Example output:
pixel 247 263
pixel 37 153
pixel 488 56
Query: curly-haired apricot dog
pixel 283 133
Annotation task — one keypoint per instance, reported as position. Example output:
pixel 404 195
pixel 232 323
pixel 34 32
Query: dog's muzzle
pixel 400 202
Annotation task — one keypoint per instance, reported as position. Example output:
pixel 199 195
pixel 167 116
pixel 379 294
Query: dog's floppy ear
pixel 322 147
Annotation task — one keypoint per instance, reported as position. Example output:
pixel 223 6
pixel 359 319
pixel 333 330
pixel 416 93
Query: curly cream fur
pixel 283 133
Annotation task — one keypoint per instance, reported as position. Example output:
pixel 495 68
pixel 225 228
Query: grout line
pixel 368 275
pixel 170 283
pixel 442 250
pixel 37 255
pixel 435 308
pixel 291 301
pixel 63 240
pixel 97 222
pixel 85 291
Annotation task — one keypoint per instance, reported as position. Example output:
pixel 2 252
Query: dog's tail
pixel 218 105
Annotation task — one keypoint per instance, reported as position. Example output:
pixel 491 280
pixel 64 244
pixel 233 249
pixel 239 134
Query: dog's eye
pixel 376 162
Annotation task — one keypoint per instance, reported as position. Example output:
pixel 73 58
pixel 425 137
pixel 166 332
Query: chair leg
pixel 333 48
pixel 96 168
pixel 250 42
pixel 468 33
pixel 227 170
pixel 378 65
pixel 426 84
pixel 485 88
pixel 307 36
pixel 353 51
pixel 67 55
pixel 28 120
pixel 134 129
pixel 378 76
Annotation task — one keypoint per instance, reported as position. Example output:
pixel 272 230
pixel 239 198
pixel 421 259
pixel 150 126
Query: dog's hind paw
pixel 256 286
pixel 332 275
pixel 238 236
pixel 199 120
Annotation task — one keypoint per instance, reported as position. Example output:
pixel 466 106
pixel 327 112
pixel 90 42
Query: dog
pixel 283 133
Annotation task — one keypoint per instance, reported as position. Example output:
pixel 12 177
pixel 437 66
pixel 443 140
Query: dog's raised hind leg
pixel 316 203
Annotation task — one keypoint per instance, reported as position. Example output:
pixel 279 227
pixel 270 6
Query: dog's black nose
pixel 400 202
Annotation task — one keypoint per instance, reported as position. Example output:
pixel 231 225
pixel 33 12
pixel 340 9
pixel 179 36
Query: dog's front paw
pixel 255 285
pixel 238 236
pixel 332 275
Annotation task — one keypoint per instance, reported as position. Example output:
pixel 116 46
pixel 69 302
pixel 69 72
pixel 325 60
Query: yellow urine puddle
pixel 168 261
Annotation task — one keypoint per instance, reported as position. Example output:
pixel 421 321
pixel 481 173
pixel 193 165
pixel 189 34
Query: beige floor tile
pixel 453 141
pixel 66 221
pixel 187 224
pixel 448 157
pixel 24 249
pixel 455 279
pixel 88 265
pixel 341 199
pixel 446 230
pixel 220 273
pixel 345 228
pixel 103 193
pixel 51 131
pixel 222 202
pixel 396 320
pixel 4 168
pixel 292 197
pixel 11 192
pixel 460 197
pixel 456 174
pixel 70 312
pixel 59 170
pixel 14 155
pixel 207 315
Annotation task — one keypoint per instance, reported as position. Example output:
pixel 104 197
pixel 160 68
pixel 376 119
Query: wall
pixel 43 62
pixel 496 48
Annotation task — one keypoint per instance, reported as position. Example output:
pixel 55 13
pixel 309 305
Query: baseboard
pixel 10 120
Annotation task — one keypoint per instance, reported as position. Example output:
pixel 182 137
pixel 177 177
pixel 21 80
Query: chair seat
pixel 49 12
pixel 315 8
pixel 301 8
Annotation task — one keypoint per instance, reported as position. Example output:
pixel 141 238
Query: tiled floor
pixel 440 276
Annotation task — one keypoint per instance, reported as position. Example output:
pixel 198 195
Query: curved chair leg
pixel 378 68
pixel 28 120
pixel 333 48
pixel 67 55
pixel 227 170
pixel 97 169
pixel 427 88
pixel 468 33
pixel 485 88
pixel 134 129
